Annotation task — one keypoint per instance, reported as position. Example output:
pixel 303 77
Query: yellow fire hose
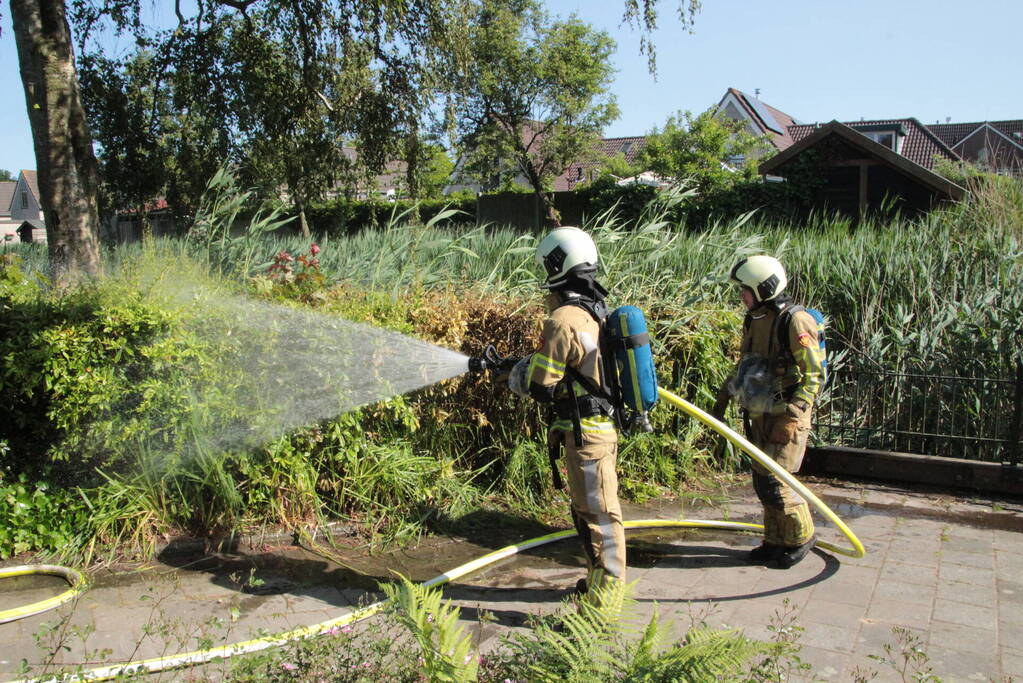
pixel 257 644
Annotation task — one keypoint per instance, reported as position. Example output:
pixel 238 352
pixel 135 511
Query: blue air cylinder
pixel 629 341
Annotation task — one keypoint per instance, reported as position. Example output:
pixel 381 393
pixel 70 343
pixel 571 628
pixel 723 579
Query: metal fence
pixel 976 418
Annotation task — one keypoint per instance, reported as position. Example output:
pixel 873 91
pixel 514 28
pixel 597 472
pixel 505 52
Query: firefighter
pixel 567 359
pixel 777 378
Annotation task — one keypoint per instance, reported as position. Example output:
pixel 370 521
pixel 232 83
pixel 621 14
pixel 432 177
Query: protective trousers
pixel 787 519
pixel 593 487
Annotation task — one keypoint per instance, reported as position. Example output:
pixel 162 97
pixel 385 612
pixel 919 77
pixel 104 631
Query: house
pixel 24 215
pixel 8 228
pixel 607 148
pixel 127 226
pixel 996 146
pixel 760 118
pixel 882 166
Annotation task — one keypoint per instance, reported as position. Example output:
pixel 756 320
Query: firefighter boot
pixel 771 545
pixel 798 534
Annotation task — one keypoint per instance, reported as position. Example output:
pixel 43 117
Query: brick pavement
pixel 945 569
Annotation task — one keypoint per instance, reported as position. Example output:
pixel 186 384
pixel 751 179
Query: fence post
pixel 1012 448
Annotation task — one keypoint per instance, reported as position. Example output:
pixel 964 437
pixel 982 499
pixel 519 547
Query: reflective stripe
pixel 546 366
pixel 608 545
pixel 588 425
pixel 597 424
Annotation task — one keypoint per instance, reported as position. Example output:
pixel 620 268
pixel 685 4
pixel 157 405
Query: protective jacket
pixel 795 370
pixel 570 339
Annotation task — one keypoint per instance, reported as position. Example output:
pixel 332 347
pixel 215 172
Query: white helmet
pixel 563 250
pixel 763 274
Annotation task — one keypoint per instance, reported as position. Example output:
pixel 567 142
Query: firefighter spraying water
pixel 595 370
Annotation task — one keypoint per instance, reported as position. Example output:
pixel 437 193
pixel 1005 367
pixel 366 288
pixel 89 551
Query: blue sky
pixel 814 59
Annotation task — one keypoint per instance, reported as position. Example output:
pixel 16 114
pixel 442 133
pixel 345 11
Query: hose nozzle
pixel 491 360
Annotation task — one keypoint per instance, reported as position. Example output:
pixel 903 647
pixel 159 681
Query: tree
pixel 642 15
pixel 65 162
pixel 712 151
pixel 529 90
pixel 5 175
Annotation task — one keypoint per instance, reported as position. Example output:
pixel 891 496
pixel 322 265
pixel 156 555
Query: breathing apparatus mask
pixel 753 384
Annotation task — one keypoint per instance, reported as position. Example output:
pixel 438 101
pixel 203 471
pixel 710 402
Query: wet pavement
pixel 947 569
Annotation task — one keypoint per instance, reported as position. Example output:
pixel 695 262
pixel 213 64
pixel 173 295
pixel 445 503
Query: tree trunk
pixel 302 221
pixel 65 163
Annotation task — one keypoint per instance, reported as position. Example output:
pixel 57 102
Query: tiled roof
pixel 750 104
pixel 6 195
pixel 920 145
pixel 630 147
pixel 33 184
pixel 578 172
pixel 953 133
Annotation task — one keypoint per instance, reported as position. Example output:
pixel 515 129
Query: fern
pixel 446 652
pixel 597 643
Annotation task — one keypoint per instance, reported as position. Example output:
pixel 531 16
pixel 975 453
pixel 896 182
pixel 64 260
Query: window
pixel 886 138
pixel 579 173
pixel 24 200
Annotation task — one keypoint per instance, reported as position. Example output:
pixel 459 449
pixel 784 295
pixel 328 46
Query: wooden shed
pixel 860 175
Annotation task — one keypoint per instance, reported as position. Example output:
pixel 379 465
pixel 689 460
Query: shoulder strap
pixel 782 331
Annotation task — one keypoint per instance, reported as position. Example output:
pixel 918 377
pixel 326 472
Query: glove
pixel 784 430
pixel 517 381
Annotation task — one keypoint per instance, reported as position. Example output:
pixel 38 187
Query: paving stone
pixel 1010 634
pixel 825 664
pixel 899 613
pixel 874 635
pixel 819 611
pixel 977 615
pixel 1010 613
pixel 1012 663
pixel 967 545
pixel 957 636
pixel 829 637
pixel 957 665
pixel 909 573
pixel 985 560
pixel 913 593
pixel 970 593
pixel 958 572
pixel 848 592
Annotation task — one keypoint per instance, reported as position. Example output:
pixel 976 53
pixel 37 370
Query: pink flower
pixel 347 629
pixel 314 249
pixel 332 631
pixel 288 666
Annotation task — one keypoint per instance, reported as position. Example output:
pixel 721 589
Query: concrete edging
pixel 987 477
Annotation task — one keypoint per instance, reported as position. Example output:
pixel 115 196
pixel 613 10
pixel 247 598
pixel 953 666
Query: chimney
pixel 756 93
pixel 948 119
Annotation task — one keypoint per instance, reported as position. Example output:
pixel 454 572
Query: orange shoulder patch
pixel 804 339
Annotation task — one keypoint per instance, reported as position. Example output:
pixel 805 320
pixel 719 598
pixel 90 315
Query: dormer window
pixel 886 138
pixel 24 200
pixel 887 134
